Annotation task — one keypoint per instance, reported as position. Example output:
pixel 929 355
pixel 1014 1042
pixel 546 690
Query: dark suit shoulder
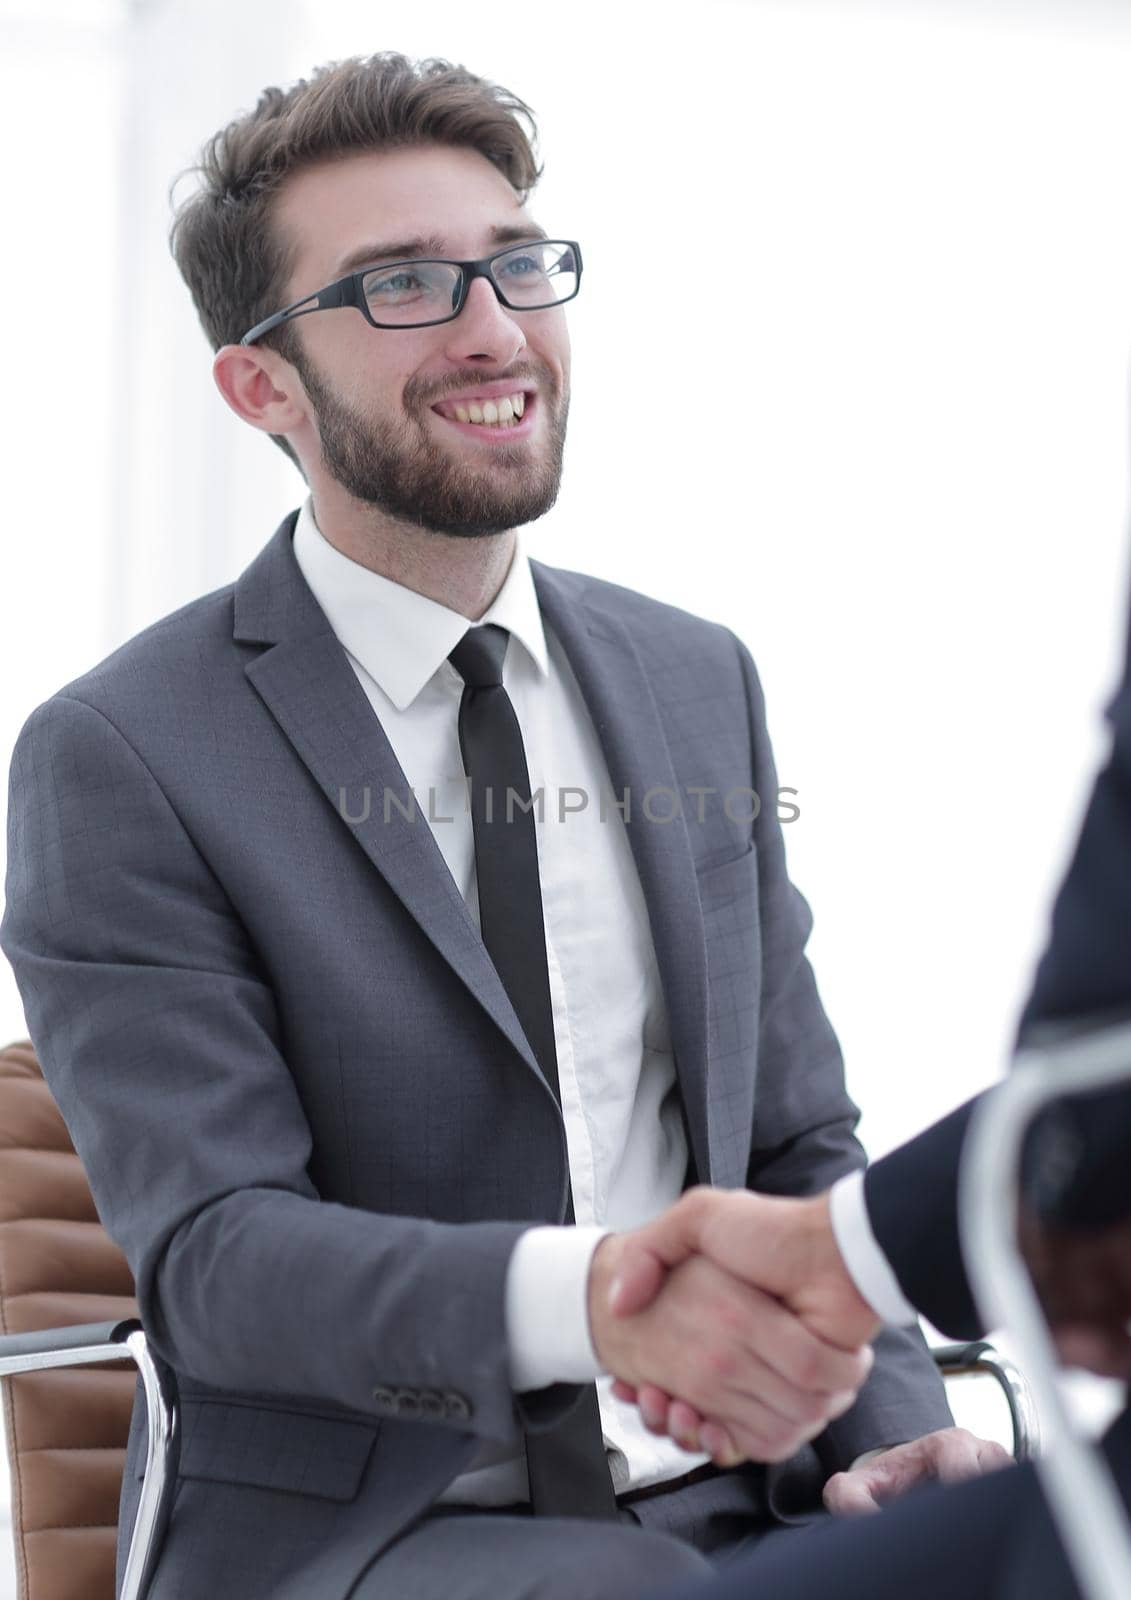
pixel 628 605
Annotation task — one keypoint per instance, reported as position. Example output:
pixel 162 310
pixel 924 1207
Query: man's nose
pixel 485 326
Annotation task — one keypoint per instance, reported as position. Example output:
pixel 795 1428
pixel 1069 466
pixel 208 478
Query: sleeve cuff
pixel 546 1308
pixel 867 1265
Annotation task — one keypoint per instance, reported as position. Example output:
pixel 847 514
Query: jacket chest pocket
pixel 728 895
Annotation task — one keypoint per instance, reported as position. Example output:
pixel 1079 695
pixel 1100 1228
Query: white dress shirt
pixel 620 1104
pixel 867 1265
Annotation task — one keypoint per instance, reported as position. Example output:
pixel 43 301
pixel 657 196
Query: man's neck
pixel 464 574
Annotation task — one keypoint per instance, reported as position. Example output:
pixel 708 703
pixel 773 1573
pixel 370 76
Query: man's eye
pixel 396 283
pixel 522 266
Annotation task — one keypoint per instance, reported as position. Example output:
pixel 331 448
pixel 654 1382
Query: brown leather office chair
pixel 67 1418
pixel 66 1415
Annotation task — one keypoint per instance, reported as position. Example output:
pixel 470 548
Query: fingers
pixel 690 1430
pixel 683 1422
pixel 993 1457
pixel 727 1352
pixel 850 1494
pixel 718 1444
pixel 696 1433
pixel 950 1455
pixel 807 1363
pixel 744 1362
pixel 654 1404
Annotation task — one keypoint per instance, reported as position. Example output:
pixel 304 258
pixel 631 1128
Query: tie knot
pixel 478 657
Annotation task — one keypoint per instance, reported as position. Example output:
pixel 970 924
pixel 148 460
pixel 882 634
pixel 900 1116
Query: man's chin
pixel 470 510
pixel 477 522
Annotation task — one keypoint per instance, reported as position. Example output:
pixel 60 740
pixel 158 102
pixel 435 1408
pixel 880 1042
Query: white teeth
pixel 503 412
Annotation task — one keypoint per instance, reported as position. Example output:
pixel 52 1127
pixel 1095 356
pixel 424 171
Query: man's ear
pixel 260 386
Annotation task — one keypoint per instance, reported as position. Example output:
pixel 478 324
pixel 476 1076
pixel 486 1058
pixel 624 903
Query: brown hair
pixel 222 236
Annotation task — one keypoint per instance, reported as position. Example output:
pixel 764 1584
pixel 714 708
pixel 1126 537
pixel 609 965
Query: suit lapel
pixel 624 712
pixel 308 685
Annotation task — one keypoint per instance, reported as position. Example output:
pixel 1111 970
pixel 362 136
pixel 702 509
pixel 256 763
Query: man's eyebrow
pixel 430 246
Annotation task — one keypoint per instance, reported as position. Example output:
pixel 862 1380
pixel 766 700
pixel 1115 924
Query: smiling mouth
pixel 505 417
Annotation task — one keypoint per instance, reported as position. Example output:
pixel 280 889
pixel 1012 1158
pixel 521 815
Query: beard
pixel 396 466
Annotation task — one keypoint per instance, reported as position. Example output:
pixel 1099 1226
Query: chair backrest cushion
pixel 66 1430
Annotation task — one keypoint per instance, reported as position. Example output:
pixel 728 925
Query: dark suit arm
pixel 804 1123
pixel 912 1199
pixel 1076 1167
pixel 159 1038
pixel 1076 1159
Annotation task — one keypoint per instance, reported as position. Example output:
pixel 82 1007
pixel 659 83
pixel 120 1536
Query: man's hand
pixel 728 1347
pixel 949 1456
pixel 785 1247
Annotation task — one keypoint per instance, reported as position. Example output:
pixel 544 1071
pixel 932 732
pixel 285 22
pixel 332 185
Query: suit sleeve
pixel 1082 980
pixel 161 1041
pixel 804 1135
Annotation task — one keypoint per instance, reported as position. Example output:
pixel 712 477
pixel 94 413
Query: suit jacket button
pixel 431 1403
pixel 408 1403
pixel 385 1400
pixel 456 1406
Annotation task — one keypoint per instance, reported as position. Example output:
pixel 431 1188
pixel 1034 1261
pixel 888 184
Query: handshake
pixel 733 1324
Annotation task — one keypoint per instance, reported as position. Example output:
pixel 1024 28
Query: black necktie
pixel 566 1466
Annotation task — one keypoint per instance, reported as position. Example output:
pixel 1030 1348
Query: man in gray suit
pixel 371 1148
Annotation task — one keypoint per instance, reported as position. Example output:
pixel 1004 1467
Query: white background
pixel 872 415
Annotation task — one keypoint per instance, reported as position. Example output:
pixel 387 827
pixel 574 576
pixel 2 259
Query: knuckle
pixel 782 1438
pixel 729 1318
pixel 812 1409
pixel 808 1365
pixel 722 1363
pixel 703 1373
pixel 784 1446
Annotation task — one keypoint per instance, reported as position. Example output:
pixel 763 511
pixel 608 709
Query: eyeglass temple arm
pixel 342 293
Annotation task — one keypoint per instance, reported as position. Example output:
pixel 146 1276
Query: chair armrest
pixel 66 1347
pixel 980 1356
pixel 91 1342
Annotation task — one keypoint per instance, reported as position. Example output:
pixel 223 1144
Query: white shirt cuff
pixel 867 1265
pixel 546 1307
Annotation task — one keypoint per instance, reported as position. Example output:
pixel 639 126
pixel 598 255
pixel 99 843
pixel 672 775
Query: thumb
pixel 649 1253
pixel 640 1277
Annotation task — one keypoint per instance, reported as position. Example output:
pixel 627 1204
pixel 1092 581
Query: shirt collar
pixel 400 637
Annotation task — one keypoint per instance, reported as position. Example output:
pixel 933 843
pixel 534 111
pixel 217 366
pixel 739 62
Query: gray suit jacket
pixel 307 1110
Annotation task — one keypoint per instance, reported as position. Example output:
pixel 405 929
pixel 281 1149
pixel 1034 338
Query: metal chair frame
pixel 1080 1489
pixel 84 1345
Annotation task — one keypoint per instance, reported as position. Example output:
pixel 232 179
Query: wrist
pixel 602 1276
pixel 825 1282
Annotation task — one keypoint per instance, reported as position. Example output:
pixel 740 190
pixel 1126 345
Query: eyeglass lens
pixel 529 277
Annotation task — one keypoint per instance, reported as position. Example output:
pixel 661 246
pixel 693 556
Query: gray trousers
pixel 686 1533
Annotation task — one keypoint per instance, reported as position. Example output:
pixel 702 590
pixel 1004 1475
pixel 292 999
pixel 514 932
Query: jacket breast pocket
pixel 716 877
pixel 265 1447
pixel 728 896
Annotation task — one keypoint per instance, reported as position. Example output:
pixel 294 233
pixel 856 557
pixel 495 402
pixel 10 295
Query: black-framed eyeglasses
pixel 420 294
